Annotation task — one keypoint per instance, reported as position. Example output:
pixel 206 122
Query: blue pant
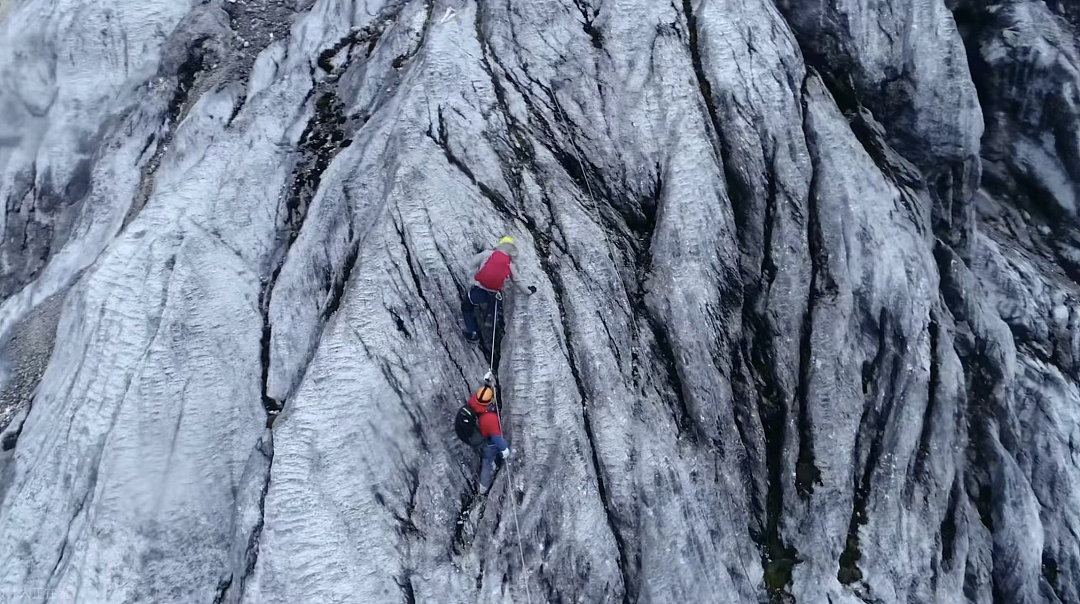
pixel 488 454
pixel 481 298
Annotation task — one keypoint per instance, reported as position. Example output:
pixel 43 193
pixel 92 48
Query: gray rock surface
pixel 806 330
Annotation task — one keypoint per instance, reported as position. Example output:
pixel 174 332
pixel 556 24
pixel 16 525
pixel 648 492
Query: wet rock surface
pixel 806 330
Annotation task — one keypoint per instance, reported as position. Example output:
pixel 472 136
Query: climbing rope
pixel 509 474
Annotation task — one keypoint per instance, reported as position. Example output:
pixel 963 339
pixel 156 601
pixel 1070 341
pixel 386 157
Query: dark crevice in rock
pixel 588 17
pixel 320 142
pixel 742 193
pixel 807 473
pixel 146 146
pixel 757 362
pixel 849 571
pixel 368 36
pixel 699 71
pixel 822 286
pixel 752 456
pixel 873 424
pixel 630 587
pixel 399 389
pixel 662 349
pixel 236 111
pixel 981 377
pixel 1050 574
pixel 264 447
pixel 60 557
pixel 337 292
pixel 404 582
pixel 461 541
pixel 923 452
pixel 406 525
pixel 271 406
pixel 948 527
pixel 11 438
pixel 642 225
pixel 905 175
pixel 424 300
pixel 92 484
pixel 198 52
pixel 223 589
pixel 186 74
pixel 322 139
pixel 545 255
pixel 772 410
pixel 441 138
pixel 774 407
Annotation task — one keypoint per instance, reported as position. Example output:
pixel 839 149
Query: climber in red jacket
pixel 477 424
pixel 490 270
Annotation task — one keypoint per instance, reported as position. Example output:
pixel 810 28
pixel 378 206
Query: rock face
pixel 806 330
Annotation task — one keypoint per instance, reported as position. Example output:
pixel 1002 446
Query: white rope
pixel 509 474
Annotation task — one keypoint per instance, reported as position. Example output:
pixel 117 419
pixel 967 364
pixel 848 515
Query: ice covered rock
pixel 787 344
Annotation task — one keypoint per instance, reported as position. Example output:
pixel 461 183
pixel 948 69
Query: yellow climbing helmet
pixel 485 394
pixel 507 239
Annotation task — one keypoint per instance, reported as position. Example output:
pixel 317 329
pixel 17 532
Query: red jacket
pixel 494 271
pixel 487 420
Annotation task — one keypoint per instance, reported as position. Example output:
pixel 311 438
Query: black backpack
pixel 467 427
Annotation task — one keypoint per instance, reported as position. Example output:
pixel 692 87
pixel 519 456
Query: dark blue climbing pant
pixel 481 298
pixel 488 454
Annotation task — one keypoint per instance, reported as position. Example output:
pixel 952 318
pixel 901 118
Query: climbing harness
pixel 509 474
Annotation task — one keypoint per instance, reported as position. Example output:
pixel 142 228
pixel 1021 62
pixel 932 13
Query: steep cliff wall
pixel 806 329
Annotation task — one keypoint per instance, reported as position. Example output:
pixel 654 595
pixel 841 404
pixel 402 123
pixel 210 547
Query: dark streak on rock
pixel 319 144
pixel 265 446
pixel 185 76
pixel 587 25
pixel 368 35
pixel 873 424
pixel 423 298
pixel 337 292
pixel 948 527
pixel 405 584
pixel 442 140
pixel 822 285
pixel 699 71
pixel 631 588
pixel 223 589
pixel 11 438
pixel 406 526
pixel 684 419
pixel 931 402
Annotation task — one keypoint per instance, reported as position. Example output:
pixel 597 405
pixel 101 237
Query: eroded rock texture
pixel 806 329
